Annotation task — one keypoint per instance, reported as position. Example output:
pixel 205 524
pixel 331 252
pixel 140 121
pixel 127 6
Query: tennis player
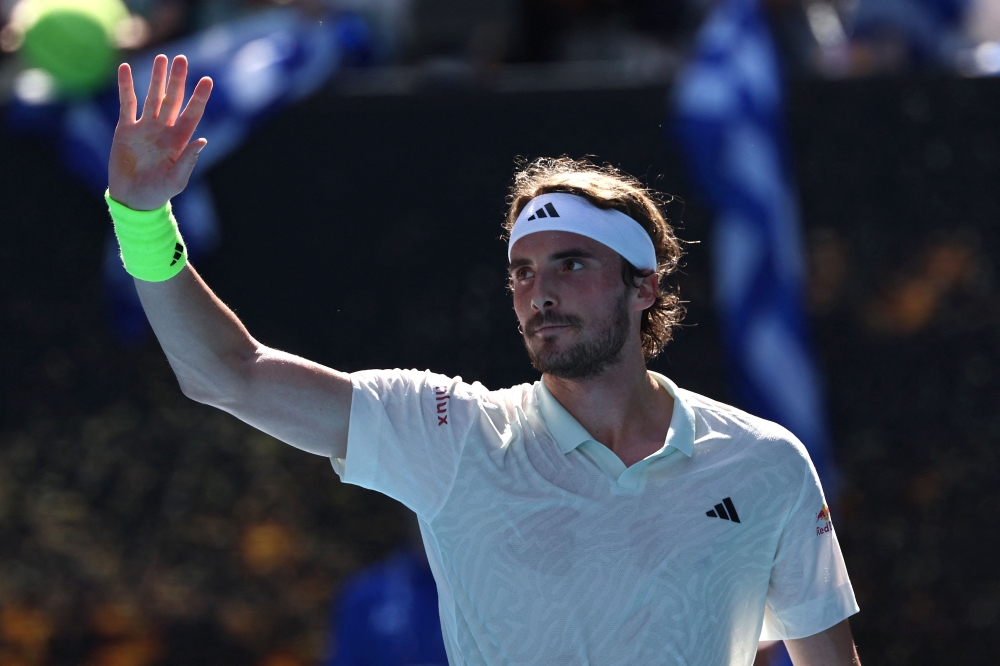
pixel 601 515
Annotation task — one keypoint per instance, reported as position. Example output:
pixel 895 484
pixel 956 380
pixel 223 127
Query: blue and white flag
pixel 729 122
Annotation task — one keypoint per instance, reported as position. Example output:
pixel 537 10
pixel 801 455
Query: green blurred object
pixel 73 40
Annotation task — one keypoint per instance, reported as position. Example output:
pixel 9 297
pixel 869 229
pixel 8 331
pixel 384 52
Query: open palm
pixel 152 158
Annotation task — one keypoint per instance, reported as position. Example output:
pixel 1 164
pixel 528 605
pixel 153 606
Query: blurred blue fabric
pixel 388 616
pixel 729 124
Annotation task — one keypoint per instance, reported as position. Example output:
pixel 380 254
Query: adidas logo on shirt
pixel 541 212
pixel 726 510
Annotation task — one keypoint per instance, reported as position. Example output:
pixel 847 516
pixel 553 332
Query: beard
pixel 585 359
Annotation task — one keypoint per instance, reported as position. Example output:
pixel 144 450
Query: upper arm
pixel 809 588
pixel 295 400
pixel 408 434
pixel 833 647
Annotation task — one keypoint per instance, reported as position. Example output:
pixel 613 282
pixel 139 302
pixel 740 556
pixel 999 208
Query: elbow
pixel 221 386
pixel 207 393
pixel 196 391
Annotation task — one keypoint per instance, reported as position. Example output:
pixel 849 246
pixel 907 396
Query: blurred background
pixel 348 208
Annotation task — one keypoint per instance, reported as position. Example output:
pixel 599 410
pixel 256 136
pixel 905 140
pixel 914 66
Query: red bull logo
pixel 824 515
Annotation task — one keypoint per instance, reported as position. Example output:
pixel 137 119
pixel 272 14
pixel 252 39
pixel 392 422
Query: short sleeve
pixel 809 590
pixel 406 435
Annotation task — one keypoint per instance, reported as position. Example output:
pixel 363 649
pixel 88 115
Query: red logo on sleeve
pixel 824 515
pixel 441 397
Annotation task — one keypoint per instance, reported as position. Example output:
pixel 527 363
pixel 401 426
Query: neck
pixel 623 408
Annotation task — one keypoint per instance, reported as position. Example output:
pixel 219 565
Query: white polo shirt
pixel 548 550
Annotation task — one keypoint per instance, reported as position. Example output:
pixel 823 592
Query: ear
pixel 647 292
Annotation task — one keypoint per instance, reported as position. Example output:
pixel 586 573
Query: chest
pixel 552 514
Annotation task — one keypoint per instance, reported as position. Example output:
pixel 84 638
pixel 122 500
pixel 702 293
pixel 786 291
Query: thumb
pixel 187 160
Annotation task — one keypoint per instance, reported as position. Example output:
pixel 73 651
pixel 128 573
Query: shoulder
pixel 508 400
pixel 397 385
pixel 399 382
pixel 716 420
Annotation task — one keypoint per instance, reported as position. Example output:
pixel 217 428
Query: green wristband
pixel 151 246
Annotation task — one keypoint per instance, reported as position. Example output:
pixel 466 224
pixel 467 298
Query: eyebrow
pixel 573 253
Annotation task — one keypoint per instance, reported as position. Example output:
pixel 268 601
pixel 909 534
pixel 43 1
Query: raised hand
pixel 152 158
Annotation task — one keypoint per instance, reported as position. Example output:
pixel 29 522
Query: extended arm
pixel 215 359
pixel 833 647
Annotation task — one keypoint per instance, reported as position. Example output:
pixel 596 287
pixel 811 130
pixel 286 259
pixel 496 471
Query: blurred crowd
pixel 231 558
pixel 832 38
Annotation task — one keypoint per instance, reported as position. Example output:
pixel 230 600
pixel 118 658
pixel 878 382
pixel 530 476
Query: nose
pixel 543 298
pixel 542 303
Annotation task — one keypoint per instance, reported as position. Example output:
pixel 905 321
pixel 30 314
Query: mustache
pixel 542 319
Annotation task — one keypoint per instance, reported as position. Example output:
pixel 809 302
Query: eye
pixel 573 264
pixel 522 273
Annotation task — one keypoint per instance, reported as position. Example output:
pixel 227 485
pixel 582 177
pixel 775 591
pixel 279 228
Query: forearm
pixel 833 647
pixel 218 363
pixel 207 346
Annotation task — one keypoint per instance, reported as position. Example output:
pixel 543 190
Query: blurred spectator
pixel 462 36
pixel 169 20
pixel 809 36
pixel 166 19
pixel 388 615
pixel 982 21
pixel 467 37
pixel 553 30
pixel 892 36
pixel 390 23
pixel 982 26
pixel 477 32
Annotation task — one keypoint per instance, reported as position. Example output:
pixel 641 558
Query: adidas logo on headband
pixel 541 212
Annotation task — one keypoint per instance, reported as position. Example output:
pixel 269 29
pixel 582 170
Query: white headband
pixel 559 211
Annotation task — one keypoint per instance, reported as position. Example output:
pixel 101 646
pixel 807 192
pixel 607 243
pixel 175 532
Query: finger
pixel 195 109
pixel 154 98
pixel 175 90
pixel 126 94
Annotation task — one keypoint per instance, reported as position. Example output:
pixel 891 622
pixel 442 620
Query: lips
pixel 550 322
pixel 549 328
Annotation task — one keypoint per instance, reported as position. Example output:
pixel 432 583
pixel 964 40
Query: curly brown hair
pixel 609 187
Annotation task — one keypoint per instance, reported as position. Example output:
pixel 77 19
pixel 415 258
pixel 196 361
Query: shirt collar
pixel 569 434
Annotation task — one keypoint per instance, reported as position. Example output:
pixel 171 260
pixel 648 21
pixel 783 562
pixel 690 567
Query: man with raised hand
pixel 601 515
